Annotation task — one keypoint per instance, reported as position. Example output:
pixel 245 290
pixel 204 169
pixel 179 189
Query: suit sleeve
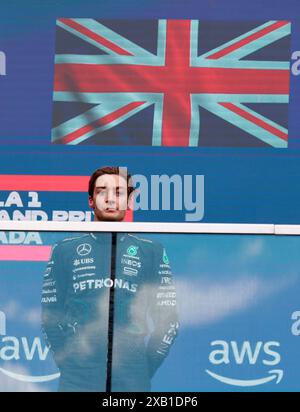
pixel 53 303
pixel 162 311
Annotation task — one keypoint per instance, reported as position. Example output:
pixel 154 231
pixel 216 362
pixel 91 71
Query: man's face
pixel 109 199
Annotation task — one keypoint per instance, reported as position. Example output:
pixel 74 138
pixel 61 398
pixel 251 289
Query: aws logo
pixel 228 353
pixel 15 349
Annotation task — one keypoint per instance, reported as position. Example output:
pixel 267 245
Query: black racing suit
pixel 75 311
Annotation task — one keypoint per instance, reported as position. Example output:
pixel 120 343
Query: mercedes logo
pixel 84 249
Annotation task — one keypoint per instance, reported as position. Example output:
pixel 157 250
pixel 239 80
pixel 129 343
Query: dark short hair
pixel 109 170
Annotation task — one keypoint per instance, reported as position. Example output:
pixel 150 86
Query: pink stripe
pixel 100 122
pixel 255 120
pixel 25 253
pixel 46 183
pixel 248 40
pixel 94 36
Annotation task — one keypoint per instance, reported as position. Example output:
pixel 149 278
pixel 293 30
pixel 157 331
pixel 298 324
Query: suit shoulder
pixel 139 238
pixel 70 241
pixel 146 243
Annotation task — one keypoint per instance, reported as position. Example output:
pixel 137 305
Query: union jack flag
pixel 171 83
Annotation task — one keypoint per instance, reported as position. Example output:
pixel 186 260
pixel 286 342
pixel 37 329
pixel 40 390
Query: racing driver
pixel 108 301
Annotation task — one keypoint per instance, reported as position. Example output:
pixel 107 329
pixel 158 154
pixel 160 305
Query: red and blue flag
pixel 171 83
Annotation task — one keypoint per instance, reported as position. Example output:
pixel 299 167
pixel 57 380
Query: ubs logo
pixel 84 249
